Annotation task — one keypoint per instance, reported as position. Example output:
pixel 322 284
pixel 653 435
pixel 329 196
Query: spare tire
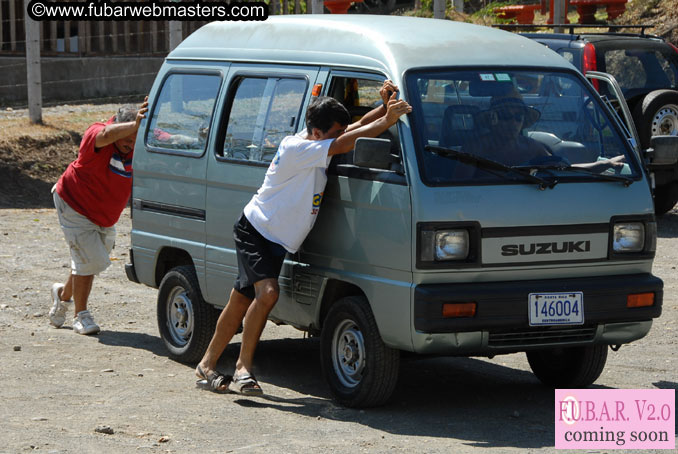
pixel 656 115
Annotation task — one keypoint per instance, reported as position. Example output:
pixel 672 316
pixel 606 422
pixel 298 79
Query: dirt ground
pixel 119 392
pixel 58 387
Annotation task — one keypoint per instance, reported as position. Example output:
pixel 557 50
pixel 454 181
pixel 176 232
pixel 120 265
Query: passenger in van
pixel 89 197
pixel 277 220
pixel 506 119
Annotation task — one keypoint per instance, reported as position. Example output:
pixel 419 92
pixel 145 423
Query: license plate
pixel 556 308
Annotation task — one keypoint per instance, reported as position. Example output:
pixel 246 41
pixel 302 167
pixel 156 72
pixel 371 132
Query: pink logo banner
pixel 615 418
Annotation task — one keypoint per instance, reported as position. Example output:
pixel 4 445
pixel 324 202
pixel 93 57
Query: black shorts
pixel 258 258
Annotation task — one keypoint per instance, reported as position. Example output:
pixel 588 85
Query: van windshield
pixel 487 126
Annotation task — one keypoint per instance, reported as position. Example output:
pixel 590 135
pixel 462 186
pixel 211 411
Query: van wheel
pixel 360 369
pixel 574 367
pixel 656 115
pixel 185 321
pixel 665 198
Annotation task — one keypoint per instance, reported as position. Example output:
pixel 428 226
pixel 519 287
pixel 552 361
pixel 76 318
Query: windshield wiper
pixel 494 167
pixel 626 181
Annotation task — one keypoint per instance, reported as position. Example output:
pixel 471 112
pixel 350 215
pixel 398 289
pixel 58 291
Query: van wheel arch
pixel 168 258
pixel 335 290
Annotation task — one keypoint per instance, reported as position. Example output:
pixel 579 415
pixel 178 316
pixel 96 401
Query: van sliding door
pixel 264 103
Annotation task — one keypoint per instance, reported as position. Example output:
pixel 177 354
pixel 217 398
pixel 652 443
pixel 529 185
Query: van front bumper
pixel 501 324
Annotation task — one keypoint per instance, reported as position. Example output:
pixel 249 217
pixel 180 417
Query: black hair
pixel 323 112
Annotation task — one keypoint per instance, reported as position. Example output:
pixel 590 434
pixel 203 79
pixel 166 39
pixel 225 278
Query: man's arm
pixel 116 131
pixel 346 142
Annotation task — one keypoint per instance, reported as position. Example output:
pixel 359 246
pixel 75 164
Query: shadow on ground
pixel 487 404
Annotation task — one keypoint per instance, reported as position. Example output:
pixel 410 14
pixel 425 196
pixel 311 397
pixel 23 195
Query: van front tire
pixel 574 367
pixel 185 321
pixel 360 369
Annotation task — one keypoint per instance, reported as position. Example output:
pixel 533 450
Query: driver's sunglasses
pixel 506 115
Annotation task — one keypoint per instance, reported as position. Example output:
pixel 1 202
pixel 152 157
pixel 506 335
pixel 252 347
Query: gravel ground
pixel 118 391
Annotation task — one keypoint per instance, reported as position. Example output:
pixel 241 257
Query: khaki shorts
pixel 90 244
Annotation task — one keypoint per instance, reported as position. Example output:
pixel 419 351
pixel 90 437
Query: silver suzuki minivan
pixel 507 213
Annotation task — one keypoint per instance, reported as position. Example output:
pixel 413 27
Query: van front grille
pixel 541 336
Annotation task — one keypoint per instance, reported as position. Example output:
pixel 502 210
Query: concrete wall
pixel 70 80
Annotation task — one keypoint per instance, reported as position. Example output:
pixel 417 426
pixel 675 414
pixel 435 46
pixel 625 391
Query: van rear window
pixel 183 112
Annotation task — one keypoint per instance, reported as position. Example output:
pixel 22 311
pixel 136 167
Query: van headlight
pixel 448 245
pixel 628 237
pixel 444 245
pixel 451 245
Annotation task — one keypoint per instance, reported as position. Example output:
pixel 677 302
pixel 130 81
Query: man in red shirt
pixel 89 198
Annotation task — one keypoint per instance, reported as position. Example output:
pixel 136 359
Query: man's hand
pixel 141 114
pixel 387 90
pixel 395 108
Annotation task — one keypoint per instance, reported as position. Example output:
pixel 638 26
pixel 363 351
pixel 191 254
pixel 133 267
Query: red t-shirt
pixel 98 183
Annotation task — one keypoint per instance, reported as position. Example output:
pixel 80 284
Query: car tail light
pixel 589 62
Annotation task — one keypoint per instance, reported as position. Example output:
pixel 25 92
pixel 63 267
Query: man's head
pixel 509 114
pixel 326 118
pixel 126 114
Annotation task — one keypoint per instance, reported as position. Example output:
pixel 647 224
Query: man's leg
pixel 82 286
pixel 266 295
pixel 67 292
pixel 227 325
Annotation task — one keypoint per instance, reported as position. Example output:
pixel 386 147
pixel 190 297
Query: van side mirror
pixel 663 150
pixel 375 154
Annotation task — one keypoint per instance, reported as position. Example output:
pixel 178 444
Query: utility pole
pixel 559 14
pixel 318 7
pixel 33 76
pixel 439 9
pixel 458 6
pixel 175 34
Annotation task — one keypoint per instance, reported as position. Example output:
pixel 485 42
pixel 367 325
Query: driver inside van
pixel 506 143
pixel 507 116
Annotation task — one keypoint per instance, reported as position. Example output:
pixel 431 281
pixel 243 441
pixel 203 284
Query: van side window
pixel 183 112
pixel 359 96
pixel 263 111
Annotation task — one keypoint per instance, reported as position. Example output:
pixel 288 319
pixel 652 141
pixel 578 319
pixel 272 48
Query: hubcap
pixel 348 353
pixel 665 121
pixel 179 316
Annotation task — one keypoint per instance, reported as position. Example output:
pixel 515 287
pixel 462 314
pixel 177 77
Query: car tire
pixel 656 114
pixel 573 367
pixel 359 368
pixel 185 321
pixel 665 198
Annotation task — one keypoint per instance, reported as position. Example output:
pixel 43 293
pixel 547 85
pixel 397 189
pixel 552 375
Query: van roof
pixel 389 44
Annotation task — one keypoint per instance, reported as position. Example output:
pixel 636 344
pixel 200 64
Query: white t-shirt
pixel 287 203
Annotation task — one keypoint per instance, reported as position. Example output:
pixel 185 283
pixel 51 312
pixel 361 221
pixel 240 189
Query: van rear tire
pixel 359 368
pixel 185 321
pixel 573 367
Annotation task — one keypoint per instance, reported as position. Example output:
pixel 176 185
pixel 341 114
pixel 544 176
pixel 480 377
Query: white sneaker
pixel 83 323
pixel 57 314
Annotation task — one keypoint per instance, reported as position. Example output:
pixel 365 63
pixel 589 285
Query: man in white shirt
pixel 277 220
